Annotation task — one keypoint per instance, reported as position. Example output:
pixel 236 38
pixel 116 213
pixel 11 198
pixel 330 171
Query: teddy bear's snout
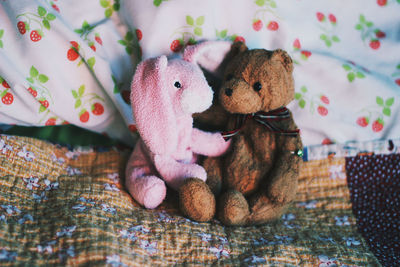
pixel 228 91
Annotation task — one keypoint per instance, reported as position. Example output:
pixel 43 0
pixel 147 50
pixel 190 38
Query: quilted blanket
pixel 73 61
pixel 61 206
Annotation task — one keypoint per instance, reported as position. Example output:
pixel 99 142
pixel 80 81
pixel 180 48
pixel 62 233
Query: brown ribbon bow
pixel 266 119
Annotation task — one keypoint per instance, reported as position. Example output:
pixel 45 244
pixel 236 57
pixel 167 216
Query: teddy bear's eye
pixel 229 77
pixel 177 84
pixel 257 86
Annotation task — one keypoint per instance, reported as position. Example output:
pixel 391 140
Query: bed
pixel 64 203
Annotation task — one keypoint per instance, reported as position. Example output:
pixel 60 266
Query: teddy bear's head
pixel 256 80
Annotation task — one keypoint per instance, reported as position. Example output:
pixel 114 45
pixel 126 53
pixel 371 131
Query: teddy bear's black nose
pixel 228 91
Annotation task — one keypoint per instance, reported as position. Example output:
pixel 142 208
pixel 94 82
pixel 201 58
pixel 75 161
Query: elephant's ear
pixel 152 106
pixel 208 55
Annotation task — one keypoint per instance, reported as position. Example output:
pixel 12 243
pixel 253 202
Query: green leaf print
pixel 157 2
pixel 389 102
pixel 223 33
pixel 41 11
pixel 200 21
pixel 81 90
pixel 46 24
pixel 260 2
pixel 91 61
pixel 50 17
pixel 108 12
pixel 1 36
pixel 109 6
pixel 129 36
pixel 379 101
pixel 360 74
pixel 387 112
pixel 346 67
pixel 198 31
pixel 78 103
pixel 104 3
pixel 33 72
pixel 43 78
pixel 335 39
pixel 123 42
pixel 116 6
pixel 130 43
pixel 302 103
pixel 351 76
pixel 74 94
pixel 189 20
pixel 42 108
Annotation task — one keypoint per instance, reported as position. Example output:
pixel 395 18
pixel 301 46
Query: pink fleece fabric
pixel 165 93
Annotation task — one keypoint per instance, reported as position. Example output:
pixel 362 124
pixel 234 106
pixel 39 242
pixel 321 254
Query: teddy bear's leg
pixel 272 199
pixel 283 177
pixel 196 200
pixel 214 174
pixel 233 208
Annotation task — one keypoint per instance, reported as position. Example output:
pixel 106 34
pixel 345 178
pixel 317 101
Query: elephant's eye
pixel 229 77
pixel 257 86
pixel 177 84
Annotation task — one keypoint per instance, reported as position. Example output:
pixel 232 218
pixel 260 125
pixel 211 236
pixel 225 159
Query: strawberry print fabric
pixel 347 65
pixel 73 61
pixel 62 63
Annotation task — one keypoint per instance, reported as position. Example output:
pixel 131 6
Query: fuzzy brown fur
pixel 257 178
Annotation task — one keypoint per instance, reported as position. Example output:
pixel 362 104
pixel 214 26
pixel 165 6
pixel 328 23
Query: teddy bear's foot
pixel 196 200
pixel 264 210
pixel 233 208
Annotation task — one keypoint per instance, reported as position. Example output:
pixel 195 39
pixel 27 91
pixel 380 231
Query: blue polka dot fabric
pixel 374 183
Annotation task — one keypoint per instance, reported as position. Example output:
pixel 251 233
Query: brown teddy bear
pixel 257 178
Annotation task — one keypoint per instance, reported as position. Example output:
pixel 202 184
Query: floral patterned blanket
pixel 73 61
pixel 61 206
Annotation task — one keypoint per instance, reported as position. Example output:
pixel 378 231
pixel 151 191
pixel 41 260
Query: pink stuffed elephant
pixel 165 93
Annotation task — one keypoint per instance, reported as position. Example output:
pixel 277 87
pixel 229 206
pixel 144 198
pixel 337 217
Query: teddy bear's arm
pixel 283 177
pixel 208 144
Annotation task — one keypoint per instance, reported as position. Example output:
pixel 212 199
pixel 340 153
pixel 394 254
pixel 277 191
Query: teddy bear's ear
pixel 238 47
pixel 283 57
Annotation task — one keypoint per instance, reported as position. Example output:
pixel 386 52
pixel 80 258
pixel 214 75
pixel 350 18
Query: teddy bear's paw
pixel 233 208
pixel 197 201
pixel 263 209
